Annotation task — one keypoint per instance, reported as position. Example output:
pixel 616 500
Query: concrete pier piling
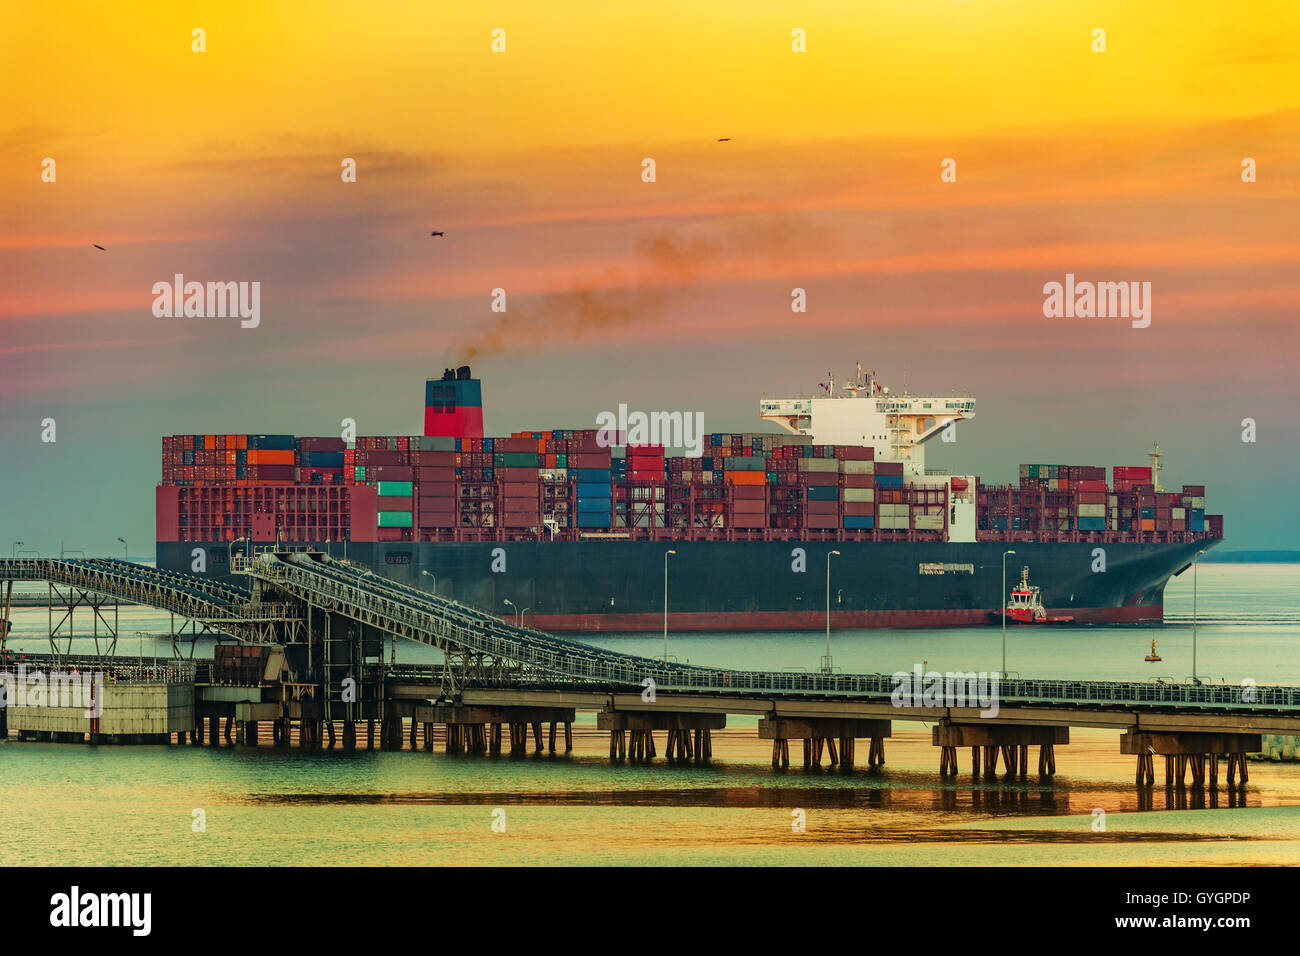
pixel 834 737
pixel 1011 742
pixel 478 729
pixel 689 736
pixel 1190 752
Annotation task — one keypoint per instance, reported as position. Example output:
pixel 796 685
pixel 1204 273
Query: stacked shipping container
pixel 435 488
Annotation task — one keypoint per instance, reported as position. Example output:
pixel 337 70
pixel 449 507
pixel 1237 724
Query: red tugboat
pixel 1026 605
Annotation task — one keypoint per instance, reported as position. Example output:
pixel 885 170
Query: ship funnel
pixel 453 405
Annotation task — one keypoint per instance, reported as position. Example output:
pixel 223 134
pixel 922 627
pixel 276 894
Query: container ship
pixel 831 516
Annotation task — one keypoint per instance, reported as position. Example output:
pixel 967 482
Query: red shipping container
pixel 439 459
pixel 437 489
pixel 749 507
pixel 748 492
pixel 822 507
pixel 858 481
pixel 589 460
pixel 854 453
pixel 520 489
pixel 516 474
pixel 822 522
pixel 749 521
pixel 822 478
pixel 859 508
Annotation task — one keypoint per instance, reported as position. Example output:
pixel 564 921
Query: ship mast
pixel 1155 456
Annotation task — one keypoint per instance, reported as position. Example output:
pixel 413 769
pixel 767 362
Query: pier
pixel 305 659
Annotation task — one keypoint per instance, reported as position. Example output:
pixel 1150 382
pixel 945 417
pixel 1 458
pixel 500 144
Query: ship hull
pixel 618 586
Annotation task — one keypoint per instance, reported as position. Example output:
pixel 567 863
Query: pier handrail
pixel 430 618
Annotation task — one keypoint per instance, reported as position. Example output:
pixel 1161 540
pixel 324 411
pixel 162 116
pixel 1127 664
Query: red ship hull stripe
pixel 815 620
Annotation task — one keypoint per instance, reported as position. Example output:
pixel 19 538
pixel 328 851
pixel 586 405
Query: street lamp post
pixel 17 545
pixel 1195 562
pixel 516 607
pixel 126 550
pixel 433 577
pixel 522 614
pixel 666 554
pixel 1004 610
pixel 826 661
pixel 230 547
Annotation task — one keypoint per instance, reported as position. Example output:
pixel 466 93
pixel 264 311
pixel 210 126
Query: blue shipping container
pixel 588 476
pixel 888 481
pixel 823 493
pixel 595 490
pixel 322 459
pixel 859 522
pixel 1092 524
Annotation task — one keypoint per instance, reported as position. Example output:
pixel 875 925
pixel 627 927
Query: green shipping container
pixel 360 474
pixel 517 459
pixel 396 489
pixel 394 519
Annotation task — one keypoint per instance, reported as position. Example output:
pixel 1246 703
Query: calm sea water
pixel 136 805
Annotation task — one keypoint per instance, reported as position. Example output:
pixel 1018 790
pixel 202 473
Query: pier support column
pixel 214 730
pixel 229 729
pixel 1010 741
pixel 477 729
pixel 1190 750
pixel 413 733
pixel 349 735
pixel 250 733
pixel 370 734
pixel 836 736
pixel 689 735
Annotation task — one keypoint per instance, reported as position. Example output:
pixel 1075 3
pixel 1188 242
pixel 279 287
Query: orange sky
pixel 224 165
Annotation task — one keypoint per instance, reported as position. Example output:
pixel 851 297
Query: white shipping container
pixel 928 522
pixel 857 468
pixel 1180 514
pixel 1092 511
pixel 859 494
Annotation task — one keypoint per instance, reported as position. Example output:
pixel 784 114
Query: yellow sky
pixel 119 82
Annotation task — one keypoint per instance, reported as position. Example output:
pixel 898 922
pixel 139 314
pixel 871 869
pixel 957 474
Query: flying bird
pixel 99 247
pixel 724 139
pixel 435 233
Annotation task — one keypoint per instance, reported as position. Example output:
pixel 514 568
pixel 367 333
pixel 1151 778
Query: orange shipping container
pixel 270 456
pixel 209 442
pixel 746 477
